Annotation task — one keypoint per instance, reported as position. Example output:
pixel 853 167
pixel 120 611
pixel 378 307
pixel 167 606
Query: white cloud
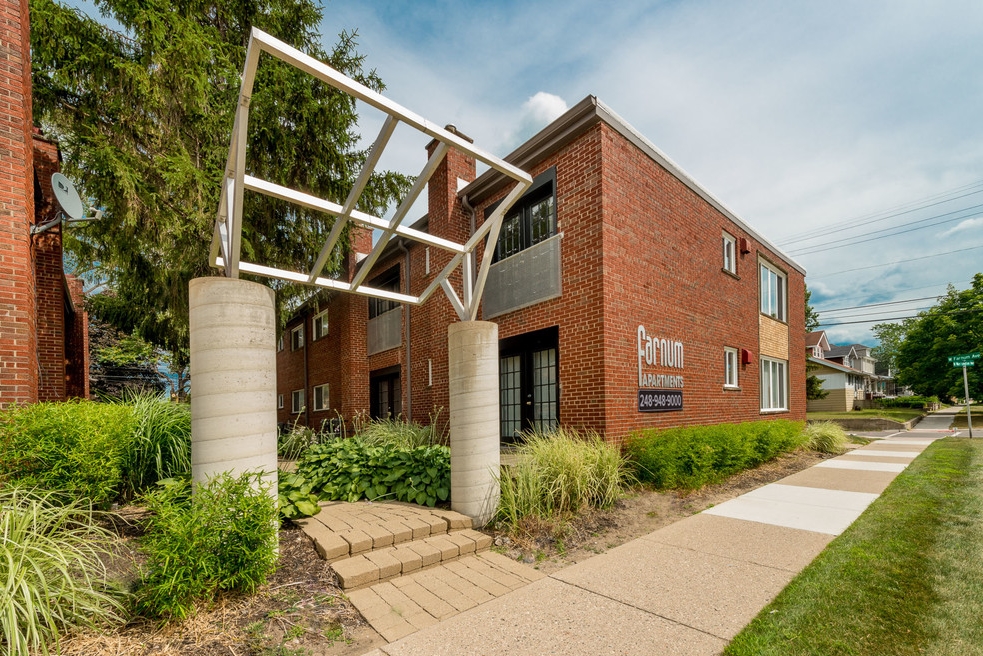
pixel 544 107
pixel 968 224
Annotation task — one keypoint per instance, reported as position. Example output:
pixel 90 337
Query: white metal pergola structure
pixel 226 240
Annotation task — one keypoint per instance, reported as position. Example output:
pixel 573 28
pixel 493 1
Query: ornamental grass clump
pixel 825 437
pixel 160 446
pixel 52 574
pixel 559 473
pixel 396 431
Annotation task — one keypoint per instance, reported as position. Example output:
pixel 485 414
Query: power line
pixel 857 307
pixel 810 234
pixel 829 245
pixel 906 289
pixel 910 259
pixel 912 316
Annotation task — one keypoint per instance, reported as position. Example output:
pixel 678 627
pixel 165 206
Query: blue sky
pixel 832 119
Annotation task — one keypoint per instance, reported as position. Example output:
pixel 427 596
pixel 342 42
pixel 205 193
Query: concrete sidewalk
pixel 690 587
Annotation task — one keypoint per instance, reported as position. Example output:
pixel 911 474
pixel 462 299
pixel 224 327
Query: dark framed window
pixel 531 220
pixel 388 281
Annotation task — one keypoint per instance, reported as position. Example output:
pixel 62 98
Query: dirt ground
pixel 302 611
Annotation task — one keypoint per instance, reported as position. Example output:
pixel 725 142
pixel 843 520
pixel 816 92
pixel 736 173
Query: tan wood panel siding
pixel 772 337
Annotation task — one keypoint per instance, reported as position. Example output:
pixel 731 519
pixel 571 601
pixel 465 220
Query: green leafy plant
pixel 295 497
pixel 350 470
pixel 161 444
pixel 825 437
pixel 77 447
pixel 221 538
pixel 694 456
pixel 561 472
pixel 52 576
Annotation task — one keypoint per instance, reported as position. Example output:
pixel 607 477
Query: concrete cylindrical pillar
pixel 474 422
pixel 233 378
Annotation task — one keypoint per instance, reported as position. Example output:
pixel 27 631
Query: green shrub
pixel 694 456
pixel 825 437
pixel 222 538
pixel 52 576
pixel 916 402
pixel 75 447
pixel 161 444
pixel 561 472
pixel 350 470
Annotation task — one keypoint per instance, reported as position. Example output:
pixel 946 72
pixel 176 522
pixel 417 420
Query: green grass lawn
pixel 905 578
pixel 961 421
pixel 895 414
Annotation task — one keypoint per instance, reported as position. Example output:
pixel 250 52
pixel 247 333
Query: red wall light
pixel 745 356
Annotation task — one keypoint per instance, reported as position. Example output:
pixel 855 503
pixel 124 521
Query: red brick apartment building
pixel 626 296
pixel 43 326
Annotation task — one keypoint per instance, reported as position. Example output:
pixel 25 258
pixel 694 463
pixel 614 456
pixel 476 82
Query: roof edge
pixel 591 110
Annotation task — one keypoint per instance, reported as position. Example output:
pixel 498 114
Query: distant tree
pixel 121 363
pixel 954 326
pixel 889 337
pixel 814 385
pixel 144 118
pixel 812 317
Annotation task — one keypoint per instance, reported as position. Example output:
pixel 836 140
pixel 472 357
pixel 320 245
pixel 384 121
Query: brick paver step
pixel 342 530
pixel 370 567
pixel 406 604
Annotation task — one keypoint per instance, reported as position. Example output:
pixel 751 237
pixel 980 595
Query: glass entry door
pixel 529 383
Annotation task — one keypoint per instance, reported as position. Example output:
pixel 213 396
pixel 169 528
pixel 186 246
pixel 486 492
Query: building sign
pixel 654 400
pixel 660 388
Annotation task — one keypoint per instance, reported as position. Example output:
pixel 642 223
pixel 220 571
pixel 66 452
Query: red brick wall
pixel 49 278
pixel 18 345
pixel 76 344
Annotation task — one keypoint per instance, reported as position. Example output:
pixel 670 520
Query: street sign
pixel 965 360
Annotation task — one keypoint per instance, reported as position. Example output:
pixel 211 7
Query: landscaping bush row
pixel 916 402
pixel 694 456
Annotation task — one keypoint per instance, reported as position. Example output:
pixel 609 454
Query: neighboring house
pixel 847 373
pixel 43 324
pixel 816 343
pixel 844 386
pixel 626 296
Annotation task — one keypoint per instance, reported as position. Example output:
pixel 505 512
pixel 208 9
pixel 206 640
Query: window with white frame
pixel 320 326
pixel 297 338
pixel 772 289
pixel 321 397
pixel 730 367
pixel 297 401
pixel 774 384
pixel 729 250
pixel 279 401
pixel 279 343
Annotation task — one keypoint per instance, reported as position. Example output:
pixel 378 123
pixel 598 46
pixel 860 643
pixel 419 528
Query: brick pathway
pixel 424 565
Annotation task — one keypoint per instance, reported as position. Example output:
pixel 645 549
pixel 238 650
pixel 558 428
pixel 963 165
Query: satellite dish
pixel 67 197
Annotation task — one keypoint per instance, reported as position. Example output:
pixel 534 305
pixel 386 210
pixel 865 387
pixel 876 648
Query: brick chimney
pixel 446 216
